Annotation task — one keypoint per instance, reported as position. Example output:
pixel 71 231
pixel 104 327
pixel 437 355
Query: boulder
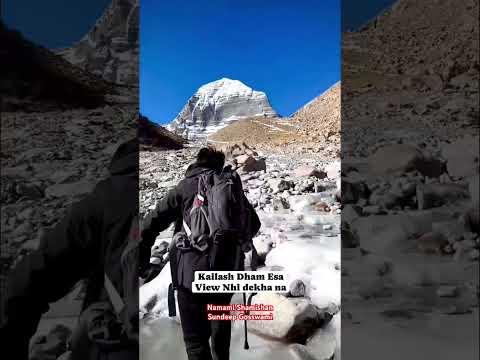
pixel 333 170
pixel 352 191
pixel 433 195
pixel 294 319
pixel 243 159
pixel 321 206
pixel 401 158
pixel 322 344
pixel 296 288
pixel 280 184
pixel 462 157
pixel 300 352
pixel 30 191
pixel 432 243
pixel 253 164
pixel 307 171
pixel 280 204
pixel 232 151
pixel 389 234
pixel 263 244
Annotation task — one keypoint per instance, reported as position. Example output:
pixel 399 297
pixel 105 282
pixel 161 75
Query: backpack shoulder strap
pixel 131 243
pixel 115 298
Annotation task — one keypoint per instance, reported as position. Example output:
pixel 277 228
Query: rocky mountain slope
pixel 315 127
pixel 60 127
pixel 155 137
pixel 434 37
pixel 319 120
pixel 111 48
pixel 217 104
pixel 34 77
pixel 256 130
pixel 415 66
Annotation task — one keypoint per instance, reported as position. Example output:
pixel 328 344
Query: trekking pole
pixel 245 344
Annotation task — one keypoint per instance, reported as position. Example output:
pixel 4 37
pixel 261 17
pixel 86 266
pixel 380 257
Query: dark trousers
pixel 197 329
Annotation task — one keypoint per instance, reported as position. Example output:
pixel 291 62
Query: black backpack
pixel 217 231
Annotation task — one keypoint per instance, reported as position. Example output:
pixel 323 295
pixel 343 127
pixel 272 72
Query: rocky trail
pixel 410 264
pixel 295 197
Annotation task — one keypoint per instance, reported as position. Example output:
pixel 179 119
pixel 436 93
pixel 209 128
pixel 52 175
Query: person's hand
pixel 51 346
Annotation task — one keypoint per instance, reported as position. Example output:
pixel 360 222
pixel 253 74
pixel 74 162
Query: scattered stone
pixel 372 210
pixel 294 319
pixel 253 165
pixel 401 158
pixel 297 289
pixel 462 157
pixel 307 171
pixel 30 191
pixel 434 195
pixel 431 243
pixel 353 191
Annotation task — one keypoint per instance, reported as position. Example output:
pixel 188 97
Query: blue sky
pixel 52 23
pixel 288 49
pixel 356 13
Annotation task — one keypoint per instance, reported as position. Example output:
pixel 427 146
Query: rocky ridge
pixel 111 48
pixel 37 79
pixel 319 120
pixel 60 128
pixel 155 137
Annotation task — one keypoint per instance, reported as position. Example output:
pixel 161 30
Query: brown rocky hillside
pixel 416 64
pixel 258 131
pixel 316 127
pixel 319 120
pixel 156 137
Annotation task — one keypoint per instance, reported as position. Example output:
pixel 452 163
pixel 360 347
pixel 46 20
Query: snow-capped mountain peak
pixel 217 104
pixel 226 87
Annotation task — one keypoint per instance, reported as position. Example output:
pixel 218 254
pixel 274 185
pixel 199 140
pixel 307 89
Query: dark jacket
pixel 171 209
pixel 74 250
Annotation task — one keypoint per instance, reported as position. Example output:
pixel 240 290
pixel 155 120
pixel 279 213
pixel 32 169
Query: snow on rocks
pixel 299 235
pixel 294 319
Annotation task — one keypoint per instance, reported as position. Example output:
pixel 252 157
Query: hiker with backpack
pixel 97 241
pixel 214 227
